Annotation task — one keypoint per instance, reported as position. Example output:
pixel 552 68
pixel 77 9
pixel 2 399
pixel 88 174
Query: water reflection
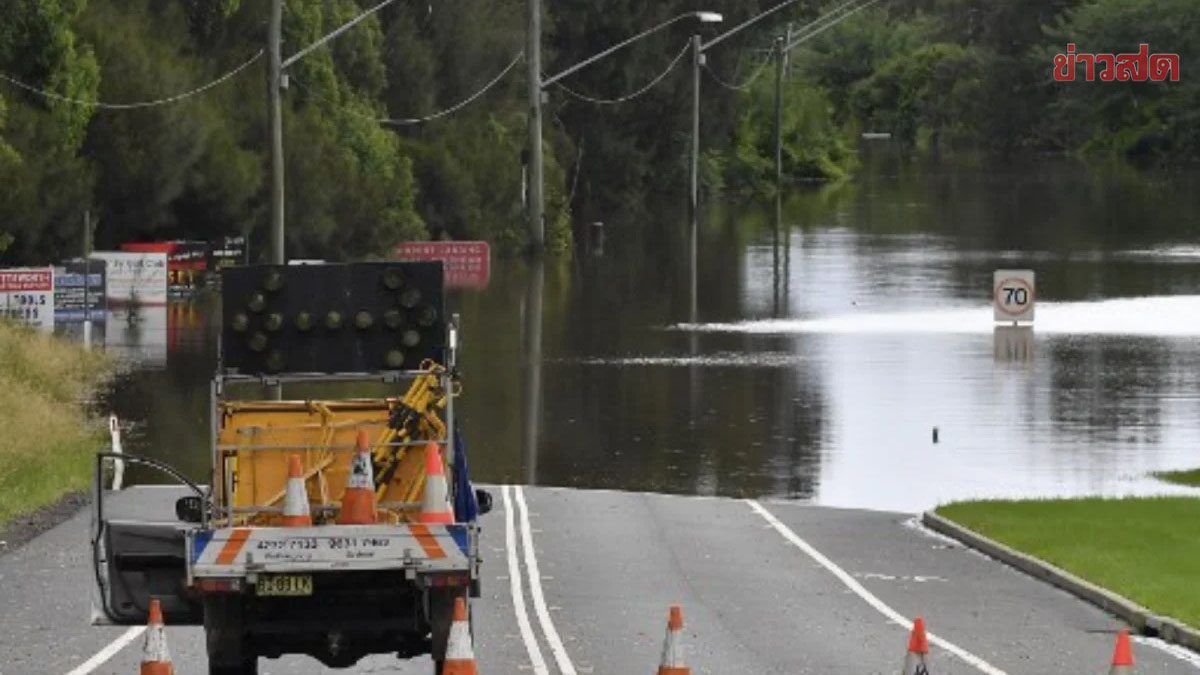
pixel 805 347
pixel 1013 344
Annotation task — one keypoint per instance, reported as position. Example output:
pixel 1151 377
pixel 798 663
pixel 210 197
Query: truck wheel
pixel 230 651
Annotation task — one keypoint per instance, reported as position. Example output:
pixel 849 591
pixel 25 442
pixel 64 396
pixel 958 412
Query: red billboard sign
pixel 468 264
pixel 31 280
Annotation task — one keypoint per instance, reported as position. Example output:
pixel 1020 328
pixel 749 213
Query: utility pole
pixel 781 68
pixel 779 43
pixel 274 92
pixel 87 279
pixel 697 61
pixel 533 59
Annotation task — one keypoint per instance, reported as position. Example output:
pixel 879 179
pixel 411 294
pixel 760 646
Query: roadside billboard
pixel 187 261
pixel 468 264
pixel 227 252
pixel 27 296
pixel 79 291
pixel 134 278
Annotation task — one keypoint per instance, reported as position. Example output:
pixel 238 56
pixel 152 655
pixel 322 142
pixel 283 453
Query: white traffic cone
pixel 435 505
pixel 918 650
pixel 358 501
pixel 156 660
pixel 672 655
pixel 296 511
pixel 1122 661
pixel 460 653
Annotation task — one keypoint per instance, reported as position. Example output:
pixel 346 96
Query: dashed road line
pixel 518 595
pixel 108 652
pixel 535 590
pixel 861 591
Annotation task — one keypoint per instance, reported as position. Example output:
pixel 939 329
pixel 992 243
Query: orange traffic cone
pixel 672 656
pixel 1122 661
pixel 460 654
pixel 156 660
pixel 435 507
pixel 358 501
pixel 296 512
pixel 918 649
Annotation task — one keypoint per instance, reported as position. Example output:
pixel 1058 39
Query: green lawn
pixel 1191 478
pixel 1146 549
pixel 48 439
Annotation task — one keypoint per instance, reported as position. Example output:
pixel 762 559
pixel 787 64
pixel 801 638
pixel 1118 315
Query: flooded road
pixel 823 340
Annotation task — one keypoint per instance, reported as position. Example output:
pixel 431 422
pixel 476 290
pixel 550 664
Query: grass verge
pixel 48 438
pixel 1191 478
pixel 1142 548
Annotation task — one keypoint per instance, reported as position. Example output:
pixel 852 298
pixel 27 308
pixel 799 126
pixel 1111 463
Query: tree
pixel 1147 121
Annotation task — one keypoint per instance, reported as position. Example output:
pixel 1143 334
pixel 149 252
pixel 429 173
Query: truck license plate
pixel 284 585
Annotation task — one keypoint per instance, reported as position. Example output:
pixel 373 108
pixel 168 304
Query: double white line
pixel 532 647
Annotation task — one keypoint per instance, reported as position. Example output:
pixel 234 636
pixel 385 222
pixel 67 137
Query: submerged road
pixel 578 582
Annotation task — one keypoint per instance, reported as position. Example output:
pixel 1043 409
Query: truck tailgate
pixel 241 550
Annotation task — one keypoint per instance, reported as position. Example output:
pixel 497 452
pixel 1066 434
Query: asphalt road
pixel 580 581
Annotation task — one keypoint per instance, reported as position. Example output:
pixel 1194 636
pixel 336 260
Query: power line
pixel 813 29
pixel 433 116
pixel 135 105
pixel 629 97
pixel 745 86
pixel 720 38
pixel 807 32
pixel 461 104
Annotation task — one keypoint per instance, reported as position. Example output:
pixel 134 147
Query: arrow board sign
pixel 1013 295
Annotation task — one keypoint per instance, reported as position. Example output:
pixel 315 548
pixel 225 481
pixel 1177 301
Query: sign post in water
pixel 1013 295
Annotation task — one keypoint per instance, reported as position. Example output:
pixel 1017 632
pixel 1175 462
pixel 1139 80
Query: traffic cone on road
pixel 358 501
pixel 156 660
pixel 918 650
pixel 296 512
pixel 435 505
pixel 460 653
pixel 1122 661
pixel 672 656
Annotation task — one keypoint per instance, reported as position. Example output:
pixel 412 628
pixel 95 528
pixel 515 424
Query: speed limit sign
pixel 1013 295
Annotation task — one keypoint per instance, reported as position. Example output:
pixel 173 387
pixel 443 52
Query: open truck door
pixel 139 547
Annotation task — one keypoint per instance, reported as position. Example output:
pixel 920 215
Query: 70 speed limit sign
pixel 1013 295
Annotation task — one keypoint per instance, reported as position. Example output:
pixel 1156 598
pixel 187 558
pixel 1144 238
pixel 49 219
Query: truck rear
pixel 237 558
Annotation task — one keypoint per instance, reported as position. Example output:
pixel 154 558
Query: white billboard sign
pixel 27 296
pixel 135 278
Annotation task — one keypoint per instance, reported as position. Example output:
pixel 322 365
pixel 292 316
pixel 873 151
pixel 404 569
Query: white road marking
pixel 535 590
pixel 867 596
pixel 108 652
pixel 1182 653
pixel 518 596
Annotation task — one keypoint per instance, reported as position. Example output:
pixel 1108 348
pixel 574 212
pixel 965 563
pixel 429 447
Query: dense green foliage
pixel 936 74
pixel 979 74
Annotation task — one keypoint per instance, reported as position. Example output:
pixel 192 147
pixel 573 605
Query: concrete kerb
pixel 1140 618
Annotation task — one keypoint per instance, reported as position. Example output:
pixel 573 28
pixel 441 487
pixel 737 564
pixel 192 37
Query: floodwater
pixel 815 346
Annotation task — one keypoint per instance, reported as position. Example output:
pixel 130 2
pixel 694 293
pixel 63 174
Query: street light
pixel 698 47
pixel 278 66
pixel 537 227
